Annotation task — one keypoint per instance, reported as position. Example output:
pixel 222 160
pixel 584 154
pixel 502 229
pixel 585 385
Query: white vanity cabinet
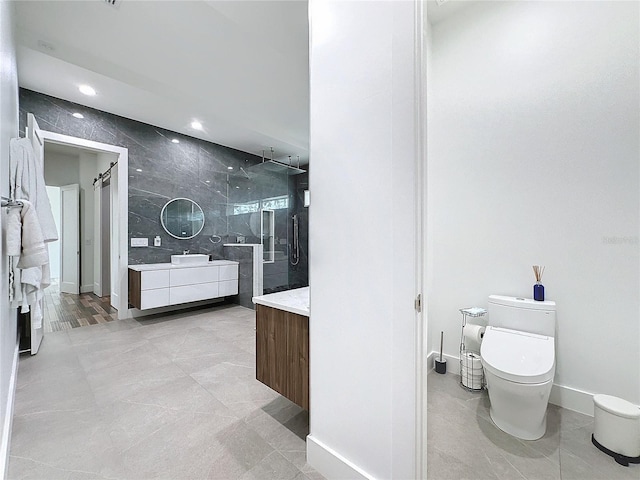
pixel 162 284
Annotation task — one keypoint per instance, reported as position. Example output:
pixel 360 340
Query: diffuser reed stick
pixel 538 271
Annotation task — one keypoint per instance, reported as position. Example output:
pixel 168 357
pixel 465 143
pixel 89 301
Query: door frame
pixel 123 208
pixel 421 48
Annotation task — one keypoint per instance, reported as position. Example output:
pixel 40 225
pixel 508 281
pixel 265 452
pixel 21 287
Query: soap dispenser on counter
pixel 156 241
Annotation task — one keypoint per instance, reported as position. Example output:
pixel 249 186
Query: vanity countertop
pixel 166 266
pixel 294 301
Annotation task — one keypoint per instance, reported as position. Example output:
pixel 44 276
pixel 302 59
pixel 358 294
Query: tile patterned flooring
pixel 463 442
pixel 63 311
pixel 169 397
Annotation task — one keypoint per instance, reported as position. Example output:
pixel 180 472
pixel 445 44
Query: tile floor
pixel 63 311
pixel 463 442
pixel 172 397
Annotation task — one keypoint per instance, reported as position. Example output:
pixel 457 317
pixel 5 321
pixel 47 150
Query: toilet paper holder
pixel 471 372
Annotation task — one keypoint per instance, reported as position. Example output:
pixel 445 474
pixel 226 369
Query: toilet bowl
pixel 519 364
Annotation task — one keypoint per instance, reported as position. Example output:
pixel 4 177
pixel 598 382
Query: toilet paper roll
pixel 473 333
pixel 472 361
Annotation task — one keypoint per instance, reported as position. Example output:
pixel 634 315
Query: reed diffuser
pixel 538 288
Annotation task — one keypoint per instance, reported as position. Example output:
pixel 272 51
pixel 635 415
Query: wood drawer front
pixel 191 276
pixel 154 279
pixel 193 293
pixel 154 298
pixel 282 353
pixel 228 272
pixel 228 287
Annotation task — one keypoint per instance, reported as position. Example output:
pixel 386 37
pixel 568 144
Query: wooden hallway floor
pixel 63 311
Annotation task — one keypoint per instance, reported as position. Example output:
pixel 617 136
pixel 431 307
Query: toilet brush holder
pixel 441 364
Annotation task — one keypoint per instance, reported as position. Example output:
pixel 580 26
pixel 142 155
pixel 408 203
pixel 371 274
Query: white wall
pixel 8 129
pixel 61 168
pixel 103 160
pixel 534 159
pixel 362 232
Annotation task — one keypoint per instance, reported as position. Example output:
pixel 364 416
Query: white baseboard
pixel 572 399
pixel 566 397
pixel 8 417
pixel 331 464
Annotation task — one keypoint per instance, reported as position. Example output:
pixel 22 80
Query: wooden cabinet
pixel 159 285
pixel 282 353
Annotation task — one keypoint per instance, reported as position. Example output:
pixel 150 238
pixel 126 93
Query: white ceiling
pixel 239 67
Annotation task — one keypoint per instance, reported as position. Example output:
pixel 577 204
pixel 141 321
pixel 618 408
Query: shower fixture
pixel 275 166
pixel 295 248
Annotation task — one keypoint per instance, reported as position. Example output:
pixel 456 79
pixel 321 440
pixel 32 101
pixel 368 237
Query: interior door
pixel 97 237
pixel 33 133
pixel 70 239
pixel 114 233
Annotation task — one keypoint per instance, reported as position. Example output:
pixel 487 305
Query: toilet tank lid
pixel 616 406
pixel 521 302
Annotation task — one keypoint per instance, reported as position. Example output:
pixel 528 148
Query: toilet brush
pixel 441 364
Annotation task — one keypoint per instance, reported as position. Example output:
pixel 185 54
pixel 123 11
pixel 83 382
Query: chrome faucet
pixel 185 252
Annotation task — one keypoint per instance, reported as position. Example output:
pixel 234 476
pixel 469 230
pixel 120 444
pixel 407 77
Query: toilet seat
pixel 519 357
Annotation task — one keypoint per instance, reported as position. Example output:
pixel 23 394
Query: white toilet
pixel 518 356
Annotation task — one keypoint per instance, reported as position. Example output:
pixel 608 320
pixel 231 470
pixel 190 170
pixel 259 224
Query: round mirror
pixel 182 218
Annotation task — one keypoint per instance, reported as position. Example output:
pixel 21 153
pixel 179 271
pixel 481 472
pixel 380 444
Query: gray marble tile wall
pixel 160 170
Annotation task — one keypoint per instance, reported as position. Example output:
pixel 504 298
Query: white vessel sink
pixel 190 259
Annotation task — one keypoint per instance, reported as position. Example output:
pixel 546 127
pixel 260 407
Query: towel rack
pixel 8 202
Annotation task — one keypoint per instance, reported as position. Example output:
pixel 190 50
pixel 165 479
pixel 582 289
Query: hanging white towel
pixel 32 294
pixel 34 252
pixel 30 268
pixel 26 182
pixel 14 245
pixel 14 231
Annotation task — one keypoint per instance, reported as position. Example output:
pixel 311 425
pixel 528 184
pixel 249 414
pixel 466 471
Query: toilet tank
pixel 523 314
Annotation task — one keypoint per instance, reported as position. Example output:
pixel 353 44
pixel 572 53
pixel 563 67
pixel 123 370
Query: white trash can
pixel 616 429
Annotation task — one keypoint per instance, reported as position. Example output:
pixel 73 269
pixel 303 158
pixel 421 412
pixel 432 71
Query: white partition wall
pixel 363 234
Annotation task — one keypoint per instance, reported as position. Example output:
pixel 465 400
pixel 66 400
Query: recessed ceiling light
pixel 207 181
pixel 175 140
pixel 77 115
pixel 87 90
pixel 196 125
pixel 229 168
pixel 138 169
